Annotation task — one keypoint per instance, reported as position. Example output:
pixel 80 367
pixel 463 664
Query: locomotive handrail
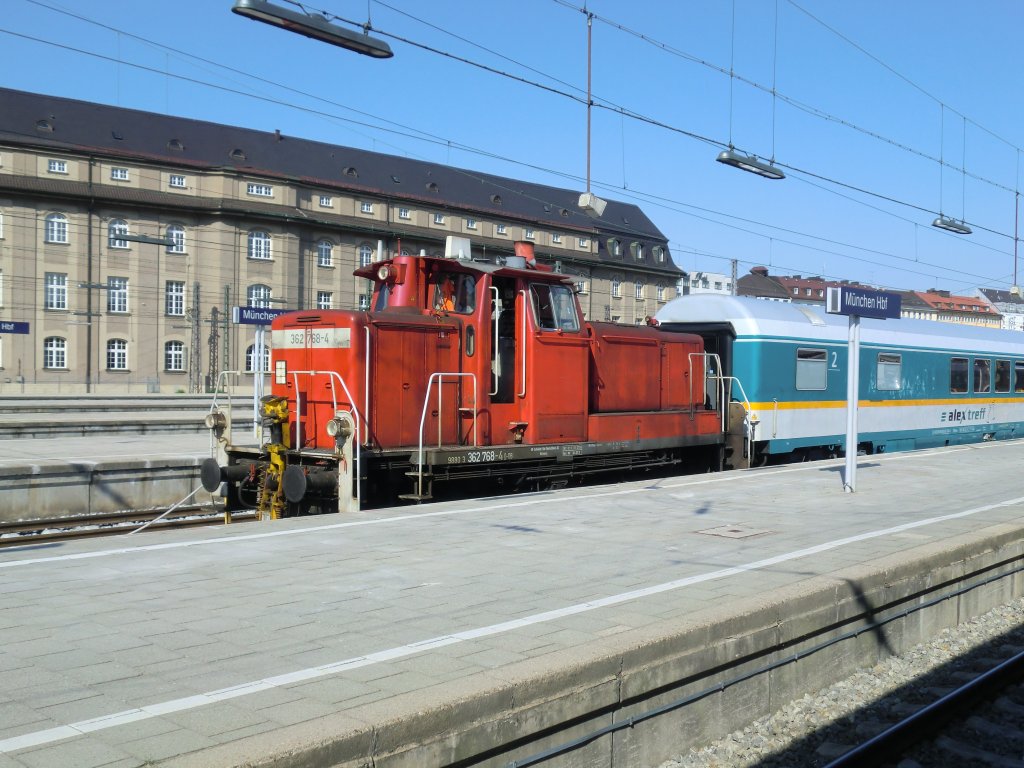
pixel 746 413
pixel 495 317
pixel 353 411
pixel 522 342
pixel 215 407
pixel 439 377
pixel 719 387
pixel 366 384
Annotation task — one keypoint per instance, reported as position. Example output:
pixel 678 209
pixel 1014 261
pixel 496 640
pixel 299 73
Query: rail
pixel 439 377
pixel 357 419
pixel 522 342
pixel 215 407
pixel 496 315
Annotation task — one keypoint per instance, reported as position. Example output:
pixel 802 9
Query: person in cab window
pixel 444 294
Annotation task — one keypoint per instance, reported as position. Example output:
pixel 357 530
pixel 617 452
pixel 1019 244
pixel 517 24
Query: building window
pixel 661 293
pixel 615 248
pixel 581 286
pixel 638 289
pixel 174 356
pixel 57 228
pixel 57 166
pixel 1 225
pixel 796 291
pixel 56 290
pixel 254 365
pixel 556 239
pixel 324 300
pixel 260 190
pixel 178 181
pixel 583 242
pixel 258 295
pixel 439 218
pixel 365 207
pixel 118 227
pixel 811 369
pixel 500 230
pixel 470 223
pixel 117 355
pixel 176 234
pixel 364 302
pixel 718 285
pixel 325 253
pixel 119 174
pixel 616 289
pixel 259 245
pixel 365 255
pixel 528 233
pixel 174 298
pixel 404 213
pixel 659 254
pixel 117 294
pixel 55 352
pixel 326 201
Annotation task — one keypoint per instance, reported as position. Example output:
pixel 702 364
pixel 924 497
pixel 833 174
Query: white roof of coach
pixel 760 318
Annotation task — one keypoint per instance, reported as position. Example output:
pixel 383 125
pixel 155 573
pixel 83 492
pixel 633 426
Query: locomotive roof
pixel 757 318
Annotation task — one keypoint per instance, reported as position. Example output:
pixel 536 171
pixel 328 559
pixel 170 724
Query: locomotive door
pixel 555 382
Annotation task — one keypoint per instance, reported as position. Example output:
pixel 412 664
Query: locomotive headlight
pixel 215 420
pixel 384 273
pixel 333 427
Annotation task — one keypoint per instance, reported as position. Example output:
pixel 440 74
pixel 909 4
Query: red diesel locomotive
pixel 465 373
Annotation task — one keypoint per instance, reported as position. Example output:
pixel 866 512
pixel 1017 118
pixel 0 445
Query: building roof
pixel 1003 297
pixel 760 284
pixel 945 301
pixel 55 123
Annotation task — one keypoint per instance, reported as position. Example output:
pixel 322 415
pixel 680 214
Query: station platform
pixel 602 626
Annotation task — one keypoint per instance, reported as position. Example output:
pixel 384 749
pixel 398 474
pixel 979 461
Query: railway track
pixel 35 532
pixel 977 723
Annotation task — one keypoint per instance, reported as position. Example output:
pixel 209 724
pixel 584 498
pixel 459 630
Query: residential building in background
pixel 127 237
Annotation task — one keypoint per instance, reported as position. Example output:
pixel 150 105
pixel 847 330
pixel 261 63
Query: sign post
pixel 856 303
pixel 261 317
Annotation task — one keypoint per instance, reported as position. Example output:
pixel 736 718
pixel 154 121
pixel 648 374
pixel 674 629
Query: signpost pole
pixel 852 399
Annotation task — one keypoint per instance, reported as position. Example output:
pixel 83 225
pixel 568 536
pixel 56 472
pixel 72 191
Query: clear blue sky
pixel 870 96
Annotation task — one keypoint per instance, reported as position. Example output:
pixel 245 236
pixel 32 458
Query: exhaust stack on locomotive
pixel 472 374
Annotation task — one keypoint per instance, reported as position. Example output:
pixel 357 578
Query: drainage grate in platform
pixel 734 532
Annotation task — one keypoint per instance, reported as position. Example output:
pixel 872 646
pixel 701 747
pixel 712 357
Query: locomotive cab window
pixel 1002 375
pixel 958 374
pixel 811 369
pixel 889 371
pixel 554 308
pixel 454 292
pixel 982 375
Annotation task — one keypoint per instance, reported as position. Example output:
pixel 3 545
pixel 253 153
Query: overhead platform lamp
pixel 316 27
pixel 952 225
pixel 589 203
pixel 749 163
pixel 947 223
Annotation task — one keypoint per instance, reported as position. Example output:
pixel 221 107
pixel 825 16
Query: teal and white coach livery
pixel 922 384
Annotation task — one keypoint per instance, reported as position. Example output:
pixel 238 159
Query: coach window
pixel 1018 372
pixel 982 375
pixel 811 369
pixel 889 373
pixel 1002 375
pixel 554 307
pixel 958 374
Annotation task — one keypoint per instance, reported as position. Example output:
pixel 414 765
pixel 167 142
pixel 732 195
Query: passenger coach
pixel 923 384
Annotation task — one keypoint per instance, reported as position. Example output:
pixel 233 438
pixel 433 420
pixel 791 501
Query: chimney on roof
pixel 277 134
pixel 759 271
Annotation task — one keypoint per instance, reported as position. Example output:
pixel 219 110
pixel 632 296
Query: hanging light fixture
pixel 315 27
pixel 749 163
pixel 951 225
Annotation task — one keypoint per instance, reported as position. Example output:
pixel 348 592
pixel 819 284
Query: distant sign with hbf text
pixel 10 326
pixel 863 303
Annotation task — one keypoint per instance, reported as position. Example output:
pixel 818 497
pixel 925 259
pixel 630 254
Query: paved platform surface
pixel 236 645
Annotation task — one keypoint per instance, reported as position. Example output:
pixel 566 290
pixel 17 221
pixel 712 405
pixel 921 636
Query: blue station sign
pixel 12 326
pixel 255 315
pixel 861 302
